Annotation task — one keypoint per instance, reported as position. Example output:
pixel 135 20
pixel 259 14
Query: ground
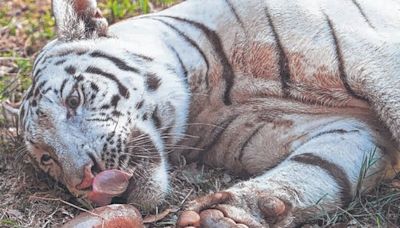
pixel 30 199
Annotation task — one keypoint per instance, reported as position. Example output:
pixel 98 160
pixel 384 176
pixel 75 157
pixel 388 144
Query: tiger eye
pixel 45 158
pixel 73 102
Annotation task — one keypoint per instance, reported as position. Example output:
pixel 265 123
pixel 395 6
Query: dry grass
pixel 30 199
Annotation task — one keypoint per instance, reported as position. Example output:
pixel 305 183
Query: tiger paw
pixel 225 209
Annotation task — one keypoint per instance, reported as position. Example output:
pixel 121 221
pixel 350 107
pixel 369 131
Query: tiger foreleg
pixel 319 177
pixel 384 97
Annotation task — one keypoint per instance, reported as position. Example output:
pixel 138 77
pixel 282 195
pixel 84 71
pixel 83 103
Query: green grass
pixel 119 9
pixel 8 223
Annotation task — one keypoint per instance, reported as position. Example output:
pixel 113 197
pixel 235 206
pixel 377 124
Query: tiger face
pixel 91 109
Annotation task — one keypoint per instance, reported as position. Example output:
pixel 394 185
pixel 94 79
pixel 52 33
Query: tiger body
pixel 287 92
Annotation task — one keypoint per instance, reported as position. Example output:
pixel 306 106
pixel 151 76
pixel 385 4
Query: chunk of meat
pixel 111 216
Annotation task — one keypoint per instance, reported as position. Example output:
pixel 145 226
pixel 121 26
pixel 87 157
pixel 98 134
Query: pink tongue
pixel 108 184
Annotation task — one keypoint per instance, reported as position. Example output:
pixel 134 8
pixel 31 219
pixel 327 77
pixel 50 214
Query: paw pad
pixel 189 219
pixel 272 207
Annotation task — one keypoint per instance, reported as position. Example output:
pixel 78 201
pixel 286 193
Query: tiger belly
pixel 251 138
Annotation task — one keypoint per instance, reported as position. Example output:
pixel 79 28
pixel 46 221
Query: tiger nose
pixel 87 178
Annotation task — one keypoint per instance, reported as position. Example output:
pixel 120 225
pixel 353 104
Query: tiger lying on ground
pixel 296 94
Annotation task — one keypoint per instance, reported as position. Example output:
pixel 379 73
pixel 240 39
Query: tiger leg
pixel 321 175
pixel 384 97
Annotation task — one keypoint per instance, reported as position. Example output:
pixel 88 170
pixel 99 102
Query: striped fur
pixel 293 93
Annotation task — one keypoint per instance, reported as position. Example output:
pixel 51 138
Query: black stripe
pixel 100 120
pixel 106 106
pixel 153 81
pixel 156 118
pixel 30 92
pixel 139 105
pixel 122 89
pixel 333 131
pixel 41 85
pixel 70 70
pixel 116 113
pixel 191 42
pixel 64 53
pixel 118 62
pixel 336 172
pixel 40 57
pixel 216 134
pixel 63 86
pixel 363 13
pixel 36 92
pixel 178 57
pixel 61 54
pixel 46 91
pixel 81 52
pixel 233 10
pixel 37 73
pixel 94 87
pixel 227 74
pixel 341 63
pixel 79 78
pixel 283 59
pixel 59 62
pixel 247 141
pixel 114 100
pixel 143 57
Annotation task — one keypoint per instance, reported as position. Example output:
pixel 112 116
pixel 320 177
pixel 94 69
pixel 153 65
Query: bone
pixel 108 184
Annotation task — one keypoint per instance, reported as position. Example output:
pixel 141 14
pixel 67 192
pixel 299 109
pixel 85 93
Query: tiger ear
pixel 78 19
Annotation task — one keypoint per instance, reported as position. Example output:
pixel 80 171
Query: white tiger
pixel 295 94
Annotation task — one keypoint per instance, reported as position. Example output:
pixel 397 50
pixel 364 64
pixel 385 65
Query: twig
pixel 186 197
pixel 10 84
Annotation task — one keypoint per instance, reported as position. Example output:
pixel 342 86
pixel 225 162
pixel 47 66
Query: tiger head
pixel 98 103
